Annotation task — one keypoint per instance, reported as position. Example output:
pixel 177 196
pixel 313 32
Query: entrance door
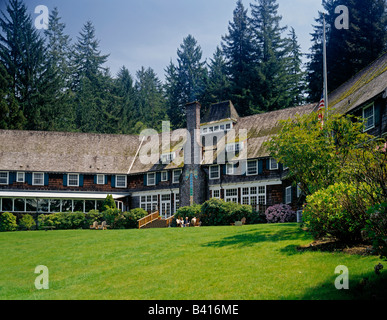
pixel 165 206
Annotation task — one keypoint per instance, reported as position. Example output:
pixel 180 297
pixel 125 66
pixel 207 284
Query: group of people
pixel 185 223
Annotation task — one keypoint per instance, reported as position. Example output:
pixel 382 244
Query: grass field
pixel 257 262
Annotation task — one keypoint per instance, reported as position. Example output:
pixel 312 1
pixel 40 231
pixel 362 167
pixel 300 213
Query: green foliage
pixel 338 211
pixel 114 218
pixel 27 222
pixel 189 211
pixel 8 222
pixel 217 212
pixel 317 158
pixel 92 216
pixel 376 228
pixel 62 220
pixel 133 216
pixel 109 202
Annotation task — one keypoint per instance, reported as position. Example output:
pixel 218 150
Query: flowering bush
pixel 280 213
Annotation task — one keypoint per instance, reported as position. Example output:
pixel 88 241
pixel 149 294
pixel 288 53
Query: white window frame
pixel 33 179
pixel 167 157
pixel 217 196
pixel 288 195
pixel 230 169
pixel 255 193
pixel 366 128
pixel 164 176
pixel 211 172
pixel 103 179
pixel 125 180
pixel 149 202
pixel 7 173
pixel 233 197
pixel 256 168
pixel 176 176
pixel 151 179
pixel 23 177
pixel 68 180
pixel 271 161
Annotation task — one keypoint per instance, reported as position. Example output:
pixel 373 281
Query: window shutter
pixel 281 167
pixel 260 167
pixel 11 177
pixel 95 179
pixel 29 178
pixel 113 181
pixel 65 180
pixel 268 164
pixel 46 179
pixel 225 169
pixel 377 114
pixel 145 180
pixel 81 180
pixel 106 179
pixel 243 166
pixel 158 177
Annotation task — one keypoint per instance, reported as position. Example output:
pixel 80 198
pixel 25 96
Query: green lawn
pixel 228 263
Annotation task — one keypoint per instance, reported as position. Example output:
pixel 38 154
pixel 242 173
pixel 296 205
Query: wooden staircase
pixel 154 220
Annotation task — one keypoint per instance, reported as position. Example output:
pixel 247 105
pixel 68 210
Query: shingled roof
pixel 220 111
pixel 367 84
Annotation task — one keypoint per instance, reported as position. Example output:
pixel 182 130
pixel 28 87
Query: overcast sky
pixel 148 33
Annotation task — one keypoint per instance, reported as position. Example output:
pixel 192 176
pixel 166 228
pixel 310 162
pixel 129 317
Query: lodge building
pixel 220 155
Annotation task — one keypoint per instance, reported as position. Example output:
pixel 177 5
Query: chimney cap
pixel 193 103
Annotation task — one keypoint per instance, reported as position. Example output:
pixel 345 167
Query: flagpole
pixel 325 72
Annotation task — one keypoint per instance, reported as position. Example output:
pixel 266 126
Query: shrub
pixel 280 213
pixel 114 218
pixel 217 212
pixel 91 217
pixel 27 222
pixel 8 222
pixel 133 216
pixel 376 228
pixel 338 211
pixel 109 202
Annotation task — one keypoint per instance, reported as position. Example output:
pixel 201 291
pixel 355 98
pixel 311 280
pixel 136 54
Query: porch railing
pixel 148 219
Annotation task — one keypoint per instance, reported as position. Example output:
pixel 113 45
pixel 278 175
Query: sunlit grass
pixel 207 263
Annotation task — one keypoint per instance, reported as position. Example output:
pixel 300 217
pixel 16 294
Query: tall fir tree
pixel 348 50
pixel 22 54
pixel 272 49
pixel 187 80
pixel 150 99
pixel 238 49
pixel 218 87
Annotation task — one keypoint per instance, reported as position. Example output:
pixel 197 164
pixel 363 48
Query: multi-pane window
pixel 230 168
pixel 151 177
pixel 273 164
pixel 20 177
pixel 231 195
pixel 167 157
pixel 121 181
pixel 176 176
pixel 252 167
pixel 148 203
pixel 100 179
pixel 369 117
pixel 254 195
pixel 38 179
pixel 214 172
pixel 164 176
pixel 288 195
pixel 216 194
pixel 73 180
pixel 4 177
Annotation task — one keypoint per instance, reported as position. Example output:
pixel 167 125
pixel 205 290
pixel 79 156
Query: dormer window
pixel 167 157
pixel 234 147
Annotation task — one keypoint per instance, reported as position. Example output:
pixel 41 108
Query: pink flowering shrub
pixel 280 213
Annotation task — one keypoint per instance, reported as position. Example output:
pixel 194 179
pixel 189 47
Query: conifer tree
pixel 272 49
pixel 238 49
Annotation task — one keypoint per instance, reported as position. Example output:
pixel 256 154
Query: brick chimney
pixel 193 181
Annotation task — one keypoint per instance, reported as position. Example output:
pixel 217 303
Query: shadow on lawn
pixel 368 286
pixel 251 237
